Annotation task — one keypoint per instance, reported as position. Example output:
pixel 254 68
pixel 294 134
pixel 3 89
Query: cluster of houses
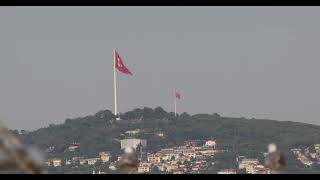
pixel 103 157
pixel 306 156
pixel 251 165
pixel 189 158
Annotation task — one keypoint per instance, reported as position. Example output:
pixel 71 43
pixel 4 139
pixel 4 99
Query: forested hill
pixel 244 136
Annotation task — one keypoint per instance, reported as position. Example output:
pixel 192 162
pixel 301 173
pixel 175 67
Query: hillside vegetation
pixel 241 136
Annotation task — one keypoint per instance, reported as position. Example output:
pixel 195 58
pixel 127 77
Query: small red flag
pixel 119 64
pixel 178 95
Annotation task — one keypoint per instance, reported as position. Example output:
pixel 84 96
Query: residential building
pixel 154 158
pixel 76 159
pixel 177 172
pixel 144 167
pixel 313 155
pixel 208 152
pixel 171 168
pixel 92 161
pixel 227 171
pixel 244 163
pixel 210 143
pixel 104 156
pixel 190 154
pixel 72 148
pixel 68 162
pixel 195 168
pixel 160 134
pixel 133 132
pixel 169 155
pixel 296 151
pixel 82 161
pixel 56 162
pixel 261 170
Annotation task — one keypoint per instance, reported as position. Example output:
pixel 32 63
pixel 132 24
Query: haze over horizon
pixel 261 62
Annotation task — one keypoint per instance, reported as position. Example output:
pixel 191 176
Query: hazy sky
pixel 56 62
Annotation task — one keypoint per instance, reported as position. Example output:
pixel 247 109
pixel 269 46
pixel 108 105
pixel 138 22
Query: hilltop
pixel 241 136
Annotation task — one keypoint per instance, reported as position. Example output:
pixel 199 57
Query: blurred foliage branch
pixel 14 156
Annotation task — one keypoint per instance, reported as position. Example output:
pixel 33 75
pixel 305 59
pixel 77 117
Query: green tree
pixel 106 115
pixel 159 113
pixel 185 115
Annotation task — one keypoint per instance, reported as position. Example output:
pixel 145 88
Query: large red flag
pixel 178 95
pixel 119 64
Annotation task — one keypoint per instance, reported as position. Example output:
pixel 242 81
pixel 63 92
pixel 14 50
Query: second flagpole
pixel 175 103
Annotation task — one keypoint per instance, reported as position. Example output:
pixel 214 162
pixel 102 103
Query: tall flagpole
pixel 175 103
pixel 115 83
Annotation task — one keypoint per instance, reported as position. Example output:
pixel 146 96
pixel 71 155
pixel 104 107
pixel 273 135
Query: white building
pixel 160 134
pixel 296 151
pixel 210 143
pixel 56 162
pixel 177 172
pixel 313 155
pixel 208 152
pixel 73 148
pixel 244 163
pixel 169 156
pixel 92 161
pixel 68 162
pixel 190 154
pixel 133 132
pixel 133 143
pixel 227 171
pixel 82 161
pixel 195 168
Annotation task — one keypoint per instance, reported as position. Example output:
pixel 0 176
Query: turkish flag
pixel 119 64
pixel 178 95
